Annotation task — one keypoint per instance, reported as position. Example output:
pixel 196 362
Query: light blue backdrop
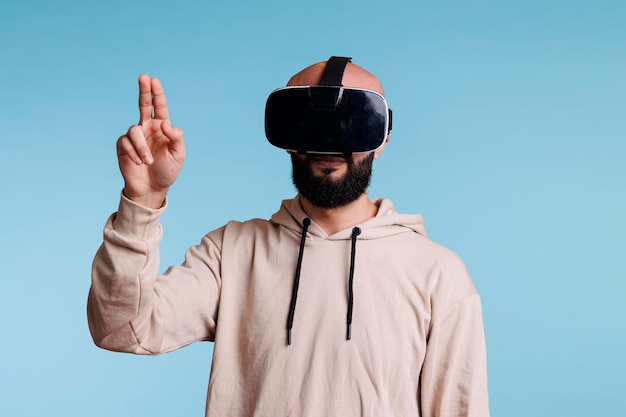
pixel 509 137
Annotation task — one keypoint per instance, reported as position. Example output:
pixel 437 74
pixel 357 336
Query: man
pixel 337 306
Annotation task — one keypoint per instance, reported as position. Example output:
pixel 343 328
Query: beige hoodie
pixel 417 345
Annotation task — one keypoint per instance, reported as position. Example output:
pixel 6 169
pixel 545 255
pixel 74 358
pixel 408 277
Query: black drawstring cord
pixel 296 282
pixel 355 232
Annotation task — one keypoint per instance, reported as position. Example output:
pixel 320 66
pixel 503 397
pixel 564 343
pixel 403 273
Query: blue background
pixel 509 137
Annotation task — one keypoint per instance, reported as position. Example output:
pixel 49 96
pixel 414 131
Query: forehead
pixel 354 76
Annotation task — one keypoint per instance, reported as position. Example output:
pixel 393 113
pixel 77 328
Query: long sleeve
pixel 454 375
pixel 131 308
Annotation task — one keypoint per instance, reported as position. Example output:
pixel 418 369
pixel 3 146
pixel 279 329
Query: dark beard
pixel 326 192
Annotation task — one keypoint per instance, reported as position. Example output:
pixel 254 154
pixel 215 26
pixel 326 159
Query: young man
pixel 337 306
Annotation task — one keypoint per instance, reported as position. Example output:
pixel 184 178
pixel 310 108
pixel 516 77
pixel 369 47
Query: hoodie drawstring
pixel 296 281
pixel 355 232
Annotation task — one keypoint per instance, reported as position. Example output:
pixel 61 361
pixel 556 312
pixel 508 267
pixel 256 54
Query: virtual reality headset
pixel 327 118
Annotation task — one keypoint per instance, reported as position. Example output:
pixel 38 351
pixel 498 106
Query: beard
pixel 327 192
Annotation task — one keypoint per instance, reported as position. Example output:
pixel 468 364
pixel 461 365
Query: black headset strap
pixel 333 73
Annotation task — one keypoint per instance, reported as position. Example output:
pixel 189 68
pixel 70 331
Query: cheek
pixel 356 160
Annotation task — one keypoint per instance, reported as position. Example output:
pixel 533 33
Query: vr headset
pixel 328 118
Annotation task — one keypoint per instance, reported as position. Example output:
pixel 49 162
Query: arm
pixel 454 375
pixel 131 308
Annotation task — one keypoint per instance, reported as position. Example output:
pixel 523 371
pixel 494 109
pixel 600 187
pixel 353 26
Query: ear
pixel 380 150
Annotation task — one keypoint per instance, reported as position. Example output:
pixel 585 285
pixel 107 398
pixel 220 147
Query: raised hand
pixel 152 152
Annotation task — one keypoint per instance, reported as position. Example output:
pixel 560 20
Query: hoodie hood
pixel 387 222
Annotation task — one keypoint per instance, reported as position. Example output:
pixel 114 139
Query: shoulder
pixel 438 271
pixel 450 278
pixel 242 230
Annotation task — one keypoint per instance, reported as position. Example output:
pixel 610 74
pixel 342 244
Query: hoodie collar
pixel 387 222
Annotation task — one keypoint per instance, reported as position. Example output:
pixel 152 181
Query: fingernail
pixel 148 159
pixel 137 160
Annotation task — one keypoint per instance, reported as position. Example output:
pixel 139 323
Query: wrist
pixel 153 200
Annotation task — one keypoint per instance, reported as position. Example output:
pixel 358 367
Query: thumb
pixel 171 132
pixel 175 136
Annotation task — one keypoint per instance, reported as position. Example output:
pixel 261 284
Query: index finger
pixel 145 98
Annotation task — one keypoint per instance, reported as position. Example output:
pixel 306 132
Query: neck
pixel 333 220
